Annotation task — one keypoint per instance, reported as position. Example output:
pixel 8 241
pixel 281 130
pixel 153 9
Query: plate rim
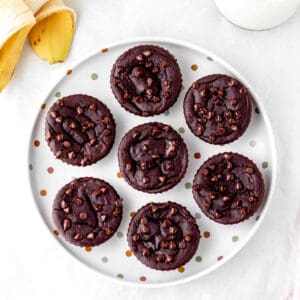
pixel 271 132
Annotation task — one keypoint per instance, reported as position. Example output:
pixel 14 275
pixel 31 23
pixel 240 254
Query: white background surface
pixel 33 266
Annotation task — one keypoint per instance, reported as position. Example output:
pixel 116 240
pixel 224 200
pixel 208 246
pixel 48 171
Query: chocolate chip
pixel 79 110
pixel 160 258
pixel 172 229
pixel 71 155
pixel 202 120
pixel 145 179
pixel 229 165
pixel 162 179
pixel 165 95
pixel 242 210
pixel 205 172
pixel 144 229
pixel 249 170
pixel 146 252
pixel 221 130
pixel 155 70
pixel 169 258
pixel 66 144
pixel 238 114
pixel 147 53
pixel 138 99
pixel 211 138
pixel 128 167
pixel 66 224
pixel 225 198
pixel 139 57
pixel 83 216
pixel 135 237
pixel 164 244
pixel 53 114
pixel 181 244
pixel 143 220
pixel 116 213
pixel 106 132
pixel 173 211
pixel 145 148
pixel 233 102
pixel 68 192
pixel 252 199
pixel 238 186
pixel 67 210
pixel 138 73
pixel 98 207
pixel 213 90
pixel 63 204
pixel 149 92
pixel 227 156
pixel 234 128
pixel 203 93
pixel 155 131
pixel 93 106
pixel 90 236
pixel 119 69
pixel 220 92
pixel 106 120
pixel 78 201
pixel 58 119
pixel 217 215
pixel 163 64
pixel 167 84
pixel 107 231
pixel 213 195
pixel 216 101
pixel 187 238
pixel 149 81
pixel 172 245
pixel 155 99
pixel 166 223
pixel 214 178
pixel 143 165
pixel 78 236
pixel 203 111
pixel 218 118
pixel 103 218
pixel 199 130
pixel 232 82
pixel 210 115
pixel 243 90
pixel 196 107
pixel 126 96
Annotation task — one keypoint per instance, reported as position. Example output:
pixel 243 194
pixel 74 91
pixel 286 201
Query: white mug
pixel 257 14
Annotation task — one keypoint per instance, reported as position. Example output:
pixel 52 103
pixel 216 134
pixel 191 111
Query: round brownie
pixel 87 211
pixel 163 236
pixel 80 130
pixel 217 109
pixel 152 157
pixel 146 80
pixel 228 188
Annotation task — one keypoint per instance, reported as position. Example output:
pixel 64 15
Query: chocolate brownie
pixel 163 236
pixel 217 108
pixel 153 157
pixel 80 130
pixel 146 80
pixel 228 188
pixel 87 211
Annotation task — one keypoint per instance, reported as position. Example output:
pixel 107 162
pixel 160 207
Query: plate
pixel 113 259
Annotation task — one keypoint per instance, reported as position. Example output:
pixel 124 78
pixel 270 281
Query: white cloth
pixel 33 266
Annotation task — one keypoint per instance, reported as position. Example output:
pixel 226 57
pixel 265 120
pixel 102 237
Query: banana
pixel 16 20
pixel 35 5
pixel 52 36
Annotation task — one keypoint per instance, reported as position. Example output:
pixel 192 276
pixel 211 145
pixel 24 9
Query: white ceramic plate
pixel 112 259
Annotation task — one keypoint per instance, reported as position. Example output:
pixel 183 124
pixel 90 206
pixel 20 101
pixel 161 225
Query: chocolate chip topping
pixel 80 130
pixel 146 80
pixel 228 188
pixel 83 215
pixel 153 157
pixel 217 108
pixel 163 236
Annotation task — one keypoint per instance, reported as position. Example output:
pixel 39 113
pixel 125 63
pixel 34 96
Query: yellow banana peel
pixel 51 37
pixel 16 20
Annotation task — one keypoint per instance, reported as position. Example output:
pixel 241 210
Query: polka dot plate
pixel 113 259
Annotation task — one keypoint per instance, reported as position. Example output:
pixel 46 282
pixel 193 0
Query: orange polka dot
pixel 36 143
pixel 181 269
pixel 69 72
pixel 197 155
pixel 128 253
pixel 104 50
pixel 132 214
pixel 88 249
pixel 50 170
pixel 119 175
pixel 194 67
pixel 143 278
pixel 43 106
pixel 43 193
pixel 206 234
pixel 55 231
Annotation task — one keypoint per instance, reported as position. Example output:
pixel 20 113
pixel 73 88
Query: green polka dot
pixel 235 238
pixel 198 259
pixel 166 113
pixel 197 216
pixel 120 275
pixel 209 58
pixel 30 167
pixel 94 76
pixel 104 259
pixel 119 234
pixel 264 165
pixel 57 94
pixel 252 143
pixel 188 185
pixel 181 130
